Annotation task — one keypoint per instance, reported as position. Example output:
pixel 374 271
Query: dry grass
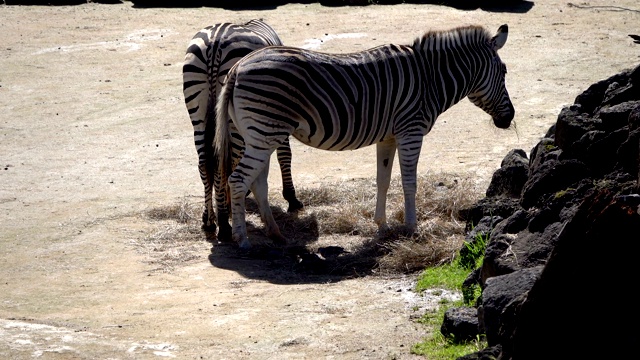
pixel 177 240
pixel 338 215
pixel 438 238
pixel 183 212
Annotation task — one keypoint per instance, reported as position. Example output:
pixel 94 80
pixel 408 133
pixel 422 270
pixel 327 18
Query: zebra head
pixel 491 93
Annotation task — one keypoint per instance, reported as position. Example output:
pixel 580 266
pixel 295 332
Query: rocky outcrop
pixel 558 267
pixel 578 309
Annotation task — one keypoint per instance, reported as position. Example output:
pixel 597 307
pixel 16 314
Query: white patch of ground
pixel 316 44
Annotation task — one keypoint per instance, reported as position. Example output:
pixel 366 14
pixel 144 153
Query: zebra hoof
pixel 240 237
pixel 224 234
pixel 409 230
pixel 244 244
pixel 294 206
pixel 278 239
pixel 208 225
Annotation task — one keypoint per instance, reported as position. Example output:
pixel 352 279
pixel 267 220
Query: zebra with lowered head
pixel 389 96
pixel 210 55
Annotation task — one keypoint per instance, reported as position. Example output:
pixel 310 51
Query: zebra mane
pixel 445 39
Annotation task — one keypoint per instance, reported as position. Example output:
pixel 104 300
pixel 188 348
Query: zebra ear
pixel 500 39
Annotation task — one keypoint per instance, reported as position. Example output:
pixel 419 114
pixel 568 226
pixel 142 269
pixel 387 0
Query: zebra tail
pixel 211 122
pixel 222 137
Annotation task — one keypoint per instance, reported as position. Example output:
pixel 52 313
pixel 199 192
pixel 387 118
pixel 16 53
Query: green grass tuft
pixel 448 276
pixel 451 276
pixel 440 348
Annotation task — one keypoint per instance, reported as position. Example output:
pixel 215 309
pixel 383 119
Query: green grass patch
pixel 472 254
pixel 448 276
pixel 451 276
pixel 440 348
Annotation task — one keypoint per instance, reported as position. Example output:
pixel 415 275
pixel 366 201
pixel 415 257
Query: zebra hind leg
pixel 247 171
pixel 224 229
pixel 260 189
pixel 288 190
pixel 222 207
pixel 208 218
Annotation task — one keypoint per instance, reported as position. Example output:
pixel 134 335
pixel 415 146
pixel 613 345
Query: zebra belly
pixel 346 136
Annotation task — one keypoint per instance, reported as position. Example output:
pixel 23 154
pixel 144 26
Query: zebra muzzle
pixel 503 121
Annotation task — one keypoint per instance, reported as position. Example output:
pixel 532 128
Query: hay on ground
pixel 343 211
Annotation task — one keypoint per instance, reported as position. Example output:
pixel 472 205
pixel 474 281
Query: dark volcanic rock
pixel 510 178
pixel 460 323
pixel 603 232
pixel 499 292
pixel 550 178
pixel 562 252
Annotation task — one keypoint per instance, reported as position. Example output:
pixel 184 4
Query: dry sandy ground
pixel 93 131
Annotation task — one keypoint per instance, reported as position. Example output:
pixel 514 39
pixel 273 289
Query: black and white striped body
pixel 389 96
pixel 331 102
pixel 209 57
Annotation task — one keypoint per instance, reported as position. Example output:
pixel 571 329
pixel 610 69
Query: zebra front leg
pixel 385 151
pixel 260 189
pixel 288 190
pixel 246 172
pixel 408 155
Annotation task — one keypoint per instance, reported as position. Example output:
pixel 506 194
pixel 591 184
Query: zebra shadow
pixel 304 259
pixel 301 260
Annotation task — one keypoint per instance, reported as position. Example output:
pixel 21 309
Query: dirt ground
pixel 94 132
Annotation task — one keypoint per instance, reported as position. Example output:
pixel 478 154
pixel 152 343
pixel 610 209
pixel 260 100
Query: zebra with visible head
pixel 389 96
pixel 210 55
